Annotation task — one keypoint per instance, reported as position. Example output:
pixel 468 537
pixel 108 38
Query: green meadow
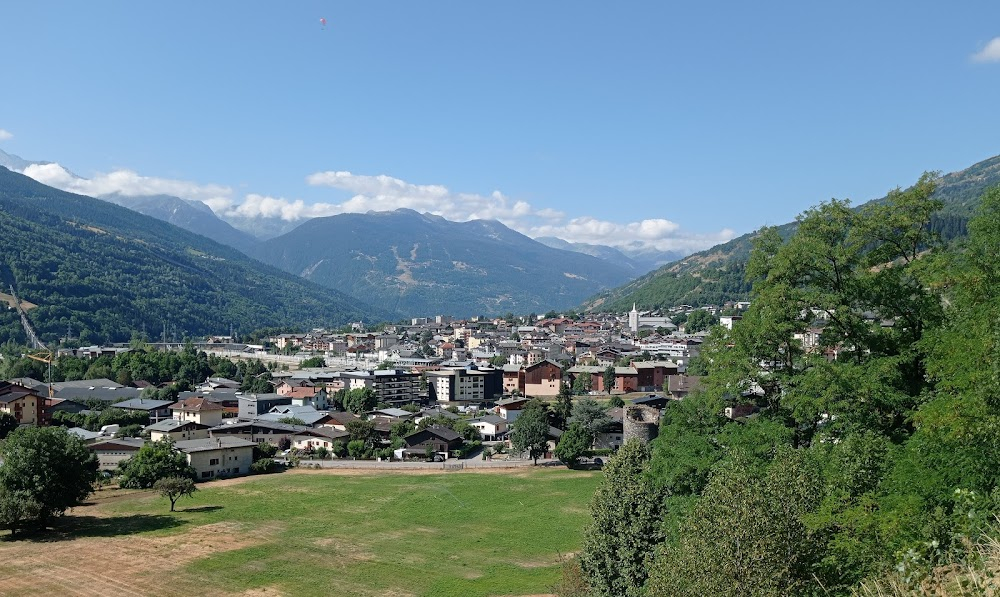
pixel 449 534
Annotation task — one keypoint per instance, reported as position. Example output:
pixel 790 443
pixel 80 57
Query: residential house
pixel 611 438
pixel 491 427
pixel 510 408
pixel 541 379
pixel 157 410
pixel 626 379
pixel 440 439
pixel 337 420
pixel 254 405
pixel 177 430
pixel 257 432
pixel 307 414
pixel 653 374
pixel 320 437
pixel 679 386
pixel 198 410
pixel 462 385
pixel 26 406
pixel 112 451
pixel 218 456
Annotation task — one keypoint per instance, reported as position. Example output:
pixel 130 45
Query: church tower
pixel 633 320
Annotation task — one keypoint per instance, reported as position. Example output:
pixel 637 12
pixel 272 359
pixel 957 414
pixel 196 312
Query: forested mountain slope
pixel 717 274
pixel 105 272
pixel 420 264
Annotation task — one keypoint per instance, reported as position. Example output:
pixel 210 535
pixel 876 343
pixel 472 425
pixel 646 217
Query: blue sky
pixel 670 124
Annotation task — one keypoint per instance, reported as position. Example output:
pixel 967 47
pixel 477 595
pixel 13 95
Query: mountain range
pixel 411 263
pixel 717 274
pixel 104 272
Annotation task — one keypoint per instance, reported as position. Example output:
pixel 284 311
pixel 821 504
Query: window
pixel 207 475
pixel 213 461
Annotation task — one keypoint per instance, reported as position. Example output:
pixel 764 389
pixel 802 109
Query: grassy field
pixel 317 533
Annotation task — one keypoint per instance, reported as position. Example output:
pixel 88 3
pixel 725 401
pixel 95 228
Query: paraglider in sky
pixel 322 21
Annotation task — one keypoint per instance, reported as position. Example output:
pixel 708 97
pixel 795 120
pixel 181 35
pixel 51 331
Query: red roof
pixel 197 405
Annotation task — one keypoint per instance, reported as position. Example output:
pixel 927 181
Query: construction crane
pixel 44 356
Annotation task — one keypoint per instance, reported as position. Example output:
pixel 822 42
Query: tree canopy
pixel 45 471
pixel 869 351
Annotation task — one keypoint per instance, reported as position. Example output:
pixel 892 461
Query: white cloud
pixel 385 193
pixel 989 53
pixel 129 183
pixel 5 135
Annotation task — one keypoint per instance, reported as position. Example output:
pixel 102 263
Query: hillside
pixel 106 271
pixel 193 216
pixel 418 264
pixel 716 274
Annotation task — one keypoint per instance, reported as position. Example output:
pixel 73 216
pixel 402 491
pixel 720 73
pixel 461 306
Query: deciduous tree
pixel 174 488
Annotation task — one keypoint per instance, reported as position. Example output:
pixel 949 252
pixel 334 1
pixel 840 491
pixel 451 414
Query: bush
pixel 262 466
pixel 264 450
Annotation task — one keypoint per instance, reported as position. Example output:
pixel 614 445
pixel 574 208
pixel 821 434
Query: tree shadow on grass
pixel 68 528
pixel 202 509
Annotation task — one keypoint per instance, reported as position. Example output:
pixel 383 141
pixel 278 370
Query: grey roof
pixel 309 418
pixel 213 443
pixel 513 400
pixel 224 428
pixel 126 443
pixel 444 433
pixel 100 382
pixel 491 419
pixel 30 383
pixel 392 412
pixel 103 394
pixel 167 425
pixel 83 433
pixel 143 404
pixel 438 412
pixel 327 432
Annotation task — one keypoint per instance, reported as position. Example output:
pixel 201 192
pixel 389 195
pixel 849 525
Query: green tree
pixel 591 415
pixel 582 384
pixel 627 512
pixel 573 444
pixel 154 461
pixel 616 402
pixel 45 470
pixel 18 510
pixel 530 431
pixel 563 407
pixel 7 424
pixel 292 421
pixel 311 362
pixel 356 448
pixel 609 379
pixel 748 535
pixel 699 321
pixel 174 488
pixel 360 400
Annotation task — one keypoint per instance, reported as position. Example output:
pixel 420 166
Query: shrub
pixel 264 465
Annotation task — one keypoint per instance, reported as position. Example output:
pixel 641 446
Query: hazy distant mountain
pixel 13 162
pixel 193 216
pixel 717 274
pixel 638 261
pixel 107 271
pixel 261 228
pixel 419 264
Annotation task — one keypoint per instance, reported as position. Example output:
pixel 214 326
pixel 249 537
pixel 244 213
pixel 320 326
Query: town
pixel 433 389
